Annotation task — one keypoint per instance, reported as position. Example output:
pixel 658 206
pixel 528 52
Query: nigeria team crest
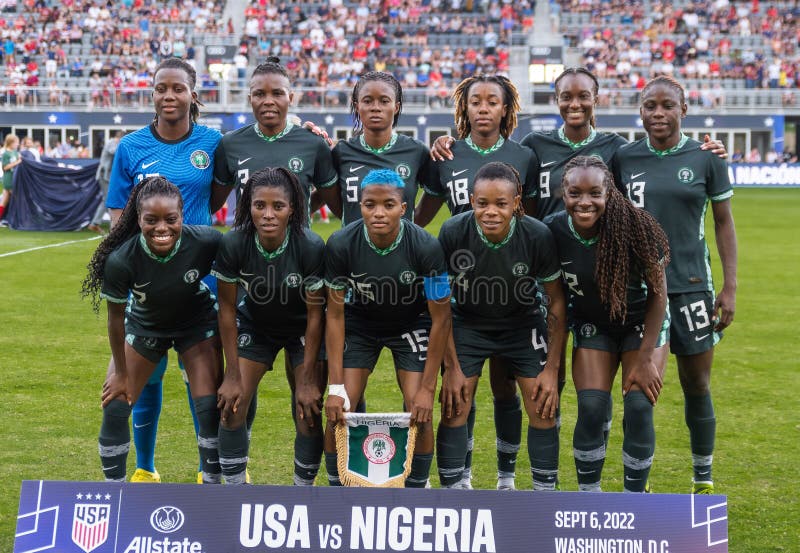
pixel 375 449
pixel 404 170
pixel 90 525
pixel 685 175
pixel 200 159
pixel 295 164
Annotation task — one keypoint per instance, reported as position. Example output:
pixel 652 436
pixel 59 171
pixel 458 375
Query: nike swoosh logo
pixel 456 173
pixel 141 285
pixel 110 468
pixel 142 425
pixel 543 363
pixel 146 165
pixel 353 275
pixel 239 162
pixel 703 337
pixel 566 262
pixel 210 462
pixel 638 174
pixel 629 479
pixel 548 164
pixel 423 357
pixel 354 169
pixel 242 273
pixel 585 471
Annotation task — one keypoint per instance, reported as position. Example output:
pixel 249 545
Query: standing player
pixel 486 114
pixel 270 273
pixel 395 276
pixel 376 104
pixel 10 160
pixel 612 260
pixel 273 141
pixel 668 175
pixel 152 257
pixel 496 257
pixel 176 147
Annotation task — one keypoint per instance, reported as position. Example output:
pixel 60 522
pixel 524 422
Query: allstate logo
pixel 191 276
pixel 379 448
pixel 167 519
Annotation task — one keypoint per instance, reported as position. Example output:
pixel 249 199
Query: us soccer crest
pixel 375 449
pixel 90 525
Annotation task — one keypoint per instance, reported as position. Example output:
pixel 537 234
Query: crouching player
pixel 269 270
pixel 387 287
pixel 153 257
pixel 496 255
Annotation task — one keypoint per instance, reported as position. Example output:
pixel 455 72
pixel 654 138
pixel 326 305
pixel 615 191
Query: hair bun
pixel 274 59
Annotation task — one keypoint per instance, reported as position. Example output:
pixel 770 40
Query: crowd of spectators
pixel 108 48
pixel 714 44
pixel 323 44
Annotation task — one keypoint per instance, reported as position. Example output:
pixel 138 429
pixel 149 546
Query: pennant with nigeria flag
pixel 375 449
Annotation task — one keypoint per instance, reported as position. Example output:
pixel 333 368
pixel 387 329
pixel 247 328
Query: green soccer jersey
pixel 554 152
pixel 353 159
pixel 243 152
pixel 578 258
pixel 384 286
pixel 494 286
pixel 272 285
pixel 455 179
pixel 167 296
pixel 676 188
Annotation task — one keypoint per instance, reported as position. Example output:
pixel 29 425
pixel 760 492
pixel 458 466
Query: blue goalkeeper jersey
pixel 188 163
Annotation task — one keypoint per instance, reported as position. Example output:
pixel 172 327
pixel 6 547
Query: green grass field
pixel 54 351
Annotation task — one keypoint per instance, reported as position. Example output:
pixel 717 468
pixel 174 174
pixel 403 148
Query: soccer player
pixel 270 279
pixel 273 141
pixel 376 104
pixel 394 276
pixel 152 257
pixel 496 256
pixel 612 260
pixel 176 147
pixel 486 114
pixel 667 174
pixel 10 160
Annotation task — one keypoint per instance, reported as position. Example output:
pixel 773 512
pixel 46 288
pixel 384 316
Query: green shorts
pixel 153 348
pixel 363 345
pixel 524 349
pixel 617 340
pixel 691 330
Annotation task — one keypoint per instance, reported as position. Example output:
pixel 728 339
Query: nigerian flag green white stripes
pixel 377 449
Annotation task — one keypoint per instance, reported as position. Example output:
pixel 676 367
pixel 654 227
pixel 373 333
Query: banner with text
pixel 74 517
pixel 764 175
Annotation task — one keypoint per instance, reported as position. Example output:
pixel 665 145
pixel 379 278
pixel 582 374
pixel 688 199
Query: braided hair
pixel 126 227
pixel 276 177
pixel 665 80
pixel 271 66
pixel 378 76
pixel 497 170
pixel 581 71
pixel 510 100
pixel 629 239
pixel 177 63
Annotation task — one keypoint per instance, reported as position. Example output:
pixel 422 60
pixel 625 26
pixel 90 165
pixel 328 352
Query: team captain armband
pixel 437 287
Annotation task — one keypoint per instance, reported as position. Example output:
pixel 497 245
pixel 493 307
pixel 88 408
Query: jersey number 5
pixel 351 185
